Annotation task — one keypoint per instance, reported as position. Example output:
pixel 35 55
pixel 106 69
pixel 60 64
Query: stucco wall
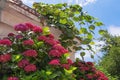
pixel 12 15
pixel 5 29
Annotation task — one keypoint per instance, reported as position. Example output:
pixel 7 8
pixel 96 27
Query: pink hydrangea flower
pixel 11 35
pixel 42 38
pixel 90 63
pixel 22 63
pixel 37 29
pixel 51 42
pixel 30 25
pixel 5 58
pixel 19 36
pixel 6 42
pixel 28 42
pixel 13 78
pixel 69 61
pixel 30 53
pixel 21 27
pixel 66 66
pixel 30 68
pixel 51 36
pixel 89 76
pixel 55 53
pixel 60 48
pixel 54 62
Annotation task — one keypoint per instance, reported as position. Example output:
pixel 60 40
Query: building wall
pixel 11 14
pixel 5 29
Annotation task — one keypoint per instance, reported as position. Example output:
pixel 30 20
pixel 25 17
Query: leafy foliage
pixel 65 18
pixel 111 58
pixel 34 54
pixel 106 73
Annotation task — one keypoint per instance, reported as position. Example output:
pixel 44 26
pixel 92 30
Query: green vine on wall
pixel 72 21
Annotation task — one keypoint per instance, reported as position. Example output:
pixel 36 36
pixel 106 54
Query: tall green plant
pixel 72 21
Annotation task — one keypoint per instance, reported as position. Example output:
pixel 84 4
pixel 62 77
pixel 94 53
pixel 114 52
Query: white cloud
pixel 114 30
pixel 80 2
pixel 28 1
pixel 85 2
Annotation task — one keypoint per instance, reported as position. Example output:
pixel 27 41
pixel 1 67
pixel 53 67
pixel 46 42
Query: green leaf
pixel 92 56
pixel 98 23
pixel 48 72
pixel 40 43
pixel 62 14
pixel 56 12
pixel 82 54
pixel 89 36
pixel 92 43
pixel 76 19
pixel 86 41
pixel 16 57
pixel 101 32
pixel 83 31
pixel 68 71
pixel 91 27
pixel 59 5
pixel 53 76
pixel 66 55
pixel 46 31
pixel 63 21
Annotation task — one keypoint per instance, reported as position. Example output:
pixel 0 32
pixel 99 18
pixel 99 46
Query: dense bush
pixel 111 58
pixel 110 77
pixel 34 54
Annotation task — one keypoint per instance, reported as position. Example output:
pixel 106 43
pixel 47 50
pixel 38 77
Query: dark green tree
pixel 111 58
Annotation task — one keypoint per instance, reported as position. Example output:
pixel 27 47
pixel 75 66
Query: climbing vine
pixel 72 21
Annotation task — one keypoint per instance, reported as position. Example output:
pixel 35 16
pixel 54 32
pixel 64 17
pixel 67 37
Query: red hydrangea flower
pixel 31 26
pixel 54 62
pixel 84 68
pixel 55 53
pixel 60 48
pixel 101 76
pixel 66 66
pixel 12 78
pixel 30 53
pixel 6 42
pixel 43 38
pixel 19 36
pixel 11 35
pixel 22 63
pixel 5 57
pixel 69 61
pixel 28 42
pixel 30 68
pixel 90 63
pixel 37 29
pixel 21 27
pixel 82 79
pixel 51 42
pixel 51 36
pixel 89 76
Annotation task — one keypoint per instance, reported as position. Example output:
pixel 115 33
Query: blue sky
pixel 107 11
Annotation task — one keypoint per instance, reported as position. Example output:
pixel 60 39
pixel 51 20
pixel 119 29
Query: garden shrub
pixel 34 54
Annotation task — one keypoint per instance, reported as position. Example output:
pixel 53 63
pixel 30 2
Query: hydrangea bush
pixel 33 54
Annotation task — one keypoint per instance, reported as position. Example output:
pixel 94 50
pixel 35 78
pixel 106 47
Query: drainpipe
pixel 2 5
